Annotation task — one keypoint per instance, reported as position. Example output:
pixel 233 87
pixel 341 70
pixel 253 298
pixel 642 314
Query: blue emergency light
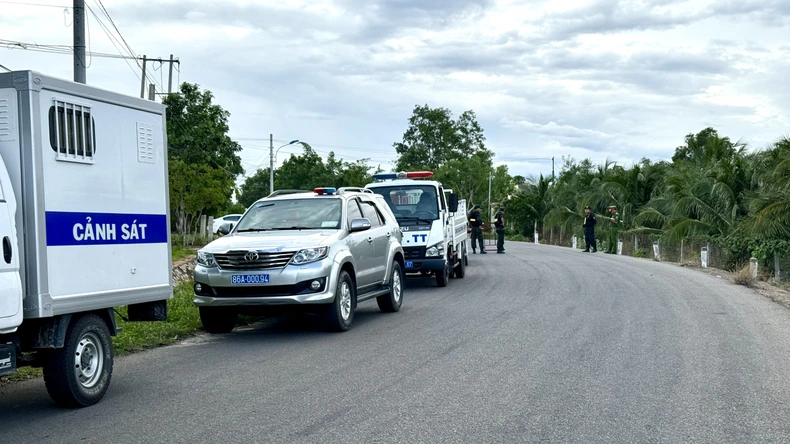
pixel 324 190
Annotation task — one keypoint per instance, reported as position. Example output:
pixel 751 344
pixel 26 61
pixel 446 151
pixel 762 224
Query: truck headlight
pixel 307 255
pixel 435 250
pixel 206 259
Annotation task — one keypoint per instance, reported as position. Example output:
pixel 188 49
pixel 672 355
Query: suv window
pixel 372 214
pixel 353 211
pixel 292 214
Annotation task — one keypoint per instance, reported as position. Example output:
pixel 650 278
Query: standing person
pixel 476 221
pixel 499 223
pixel 589 231
pixel 614 230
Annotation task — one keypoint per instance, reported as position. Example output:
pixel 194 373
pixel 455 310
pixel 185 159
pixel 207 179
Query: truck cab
pixel 432 220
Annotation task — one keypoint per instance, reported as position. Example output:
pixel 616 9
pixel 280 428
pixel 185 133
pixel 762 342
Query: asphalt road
pixel 542 344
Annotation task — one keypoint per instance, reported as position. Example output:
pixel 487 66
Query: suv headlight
pixel 435 250
pixel 206 259
pixel 307 255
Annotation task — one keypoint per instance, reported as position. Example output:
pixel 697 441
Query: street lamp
pixel 272 155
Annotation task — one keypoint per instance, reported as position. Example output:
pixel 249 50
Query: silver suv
pixel 323 251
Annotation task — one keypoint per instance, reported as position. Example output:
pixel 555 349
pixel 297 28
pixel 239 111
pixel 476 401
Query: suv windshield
pixel 411 201
pixel 294 214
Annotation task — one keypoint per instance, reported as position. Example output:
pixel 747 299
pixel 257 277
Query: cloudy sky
pixel 601 78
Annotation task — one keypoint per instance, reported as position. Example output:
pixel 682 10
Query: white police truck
pixel 432 220
pixel 84 226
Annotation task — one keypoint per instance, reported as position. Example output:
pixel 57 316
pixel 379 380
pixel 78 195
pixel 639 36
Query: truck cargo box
pixel 88 170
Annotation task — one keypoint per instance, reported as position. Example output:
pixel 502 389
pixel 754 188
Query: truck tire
pixel 79 374
pixel 340 313
pixel 218 320
pixel 442 277
pixel 391 302
pixel 460 267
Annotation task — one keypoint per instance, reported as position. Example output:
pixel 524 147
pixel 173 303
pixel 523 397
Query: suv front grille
pixel 236 260
pixel 414 252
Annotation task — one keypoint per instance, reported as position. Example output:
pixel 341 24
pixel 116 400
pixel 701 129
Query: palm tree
pixel 769 207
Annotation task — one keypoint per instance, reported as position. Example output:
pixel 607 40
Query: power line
pixel 122 42
pixel 113 41
pixel 253 139
pixel 54 49
pixel 112 22
pixel 35 4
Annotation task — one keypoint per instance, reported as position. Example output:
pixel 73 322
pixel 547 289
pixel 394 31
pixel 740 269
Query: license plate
pixel 409 264
pixel 249 279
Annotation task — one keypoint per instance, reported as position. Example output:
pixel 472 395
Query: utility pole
pixel 552 169
pixel 271 163
pixel 152 92
pixel 170 77
pixel 142 81
pixel 79 41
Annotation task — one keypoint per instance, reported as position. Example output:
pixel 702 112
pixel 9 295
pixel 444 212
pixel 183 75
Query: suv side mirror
pixel 453 203
pixel 359 225
pixel 225 228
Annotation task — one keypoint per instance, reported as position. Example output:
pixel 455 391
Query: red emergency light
pixel 403 175
pixel 417 174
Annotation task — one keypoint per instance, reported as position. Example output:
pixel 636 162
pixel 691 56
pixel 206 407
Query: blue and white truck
pixel 432 220
pixel 84 226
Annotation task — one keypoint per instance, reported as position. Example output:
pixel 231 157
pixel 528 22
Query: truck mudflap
pixel 7 359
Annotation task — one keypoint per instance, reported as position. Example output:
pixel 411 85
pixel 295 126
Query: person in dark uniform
pixel 499 223
pixel 589 231
pixel 476 221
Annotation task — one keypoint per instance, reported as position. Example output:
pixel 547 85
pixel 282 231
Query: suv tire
pixel 218 320
pixel 340 313
pixel 391 302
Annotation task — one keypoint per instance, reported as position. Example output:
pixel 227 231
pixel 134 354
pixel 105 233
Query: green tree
pixel 193 189
pixel 769 205
pixel 306 171
pixel 254 188
pixel 203 159
pixel 433 138
pixel 197 131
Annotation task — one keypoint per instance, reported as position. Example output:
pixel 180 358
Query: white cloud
pixel 596 78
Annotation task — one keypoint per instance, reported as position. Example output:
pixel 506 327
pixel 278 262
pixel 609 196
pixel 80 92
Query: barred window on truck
pixel 72 132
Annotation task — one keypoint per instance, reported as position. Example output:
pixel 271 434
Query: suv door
pixel 381 238
pixel 361 246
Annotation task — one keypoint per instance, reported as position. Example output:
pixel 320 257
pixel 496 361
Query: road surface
pixel 542 344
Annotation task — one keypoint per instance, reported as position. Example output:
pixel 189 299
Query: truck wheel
pixel 391 302
pixel 460 268
pixel 218 320
pixel 79 374
pixel 443 276
pixel 340 313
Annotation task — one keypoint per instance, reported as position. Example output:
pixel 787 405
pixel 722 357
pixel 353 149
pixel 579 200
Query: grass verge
pixel 182 321
pixel 180 253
